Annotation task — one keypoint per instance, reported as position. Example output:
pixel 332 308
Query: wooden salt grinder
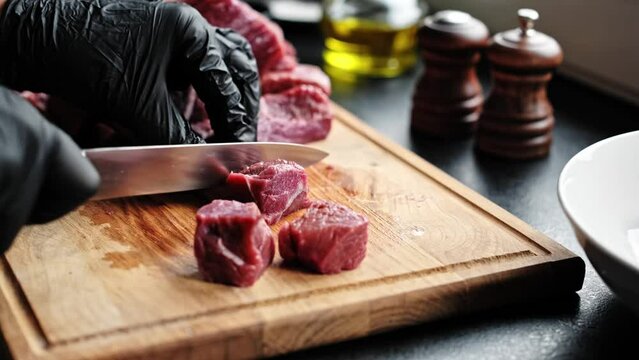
pixel 517 119
pixel 448 98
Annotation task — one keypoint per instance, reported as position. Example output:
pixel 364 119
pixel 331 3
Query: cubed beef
pixel 233 244
pixel 329 238
pixel 278 187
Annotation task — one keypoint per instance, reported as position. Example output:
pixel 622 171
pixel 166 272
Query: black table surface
pixel 592 323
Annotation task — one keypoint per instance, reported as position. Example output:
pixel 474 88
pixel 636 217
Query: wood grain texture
pixel 119 279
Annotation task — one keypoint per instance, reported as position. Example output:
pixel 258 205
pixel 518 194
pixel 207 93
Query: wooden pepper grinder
pixel 517 119
pixel 448 98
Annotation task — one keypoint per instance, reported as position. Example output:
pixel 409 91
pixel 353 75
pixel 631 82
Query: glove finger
pixel 159 122
pixel 42 173
pixel 69 181
pixel 243 68
pixel 204 50
pixel 20 144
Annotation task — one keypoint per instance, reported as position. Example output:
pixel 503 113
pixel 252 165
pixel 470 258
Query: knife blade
pixel 144 170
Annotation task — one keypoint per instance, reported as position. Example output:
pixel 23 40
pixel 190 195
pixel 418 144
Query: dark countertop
pixel 591 324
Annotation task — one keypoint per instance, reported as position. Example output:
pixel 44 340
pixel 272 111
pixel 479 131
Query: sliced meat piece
pixel 270 48
pixel 305 116
pixel 286 63
pixel 278 81
pixel 233 245
pixel 184 101
pixel 290 49
pixel 278 187
pixel 298 115
pixel 285 58
pixel 329 238
pixel 200 122
pixel 265 43
pixel 38 100
pixel 275 121
pixel 193 110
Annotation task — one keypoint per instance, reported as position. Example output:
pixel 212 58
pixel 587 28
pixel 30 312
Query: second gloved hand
pixel 119 59
pixel 43 174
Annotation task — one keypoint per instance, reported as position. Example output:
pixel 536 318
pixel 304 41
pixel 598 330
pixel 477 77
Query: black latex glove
pixel 42 172
pixel 118 59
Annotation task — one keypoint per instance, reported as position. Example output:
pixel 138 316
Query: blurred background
pixel 598 37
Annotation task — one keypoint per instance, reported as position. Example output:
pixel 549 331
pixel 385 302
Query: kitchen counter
pixel 592 323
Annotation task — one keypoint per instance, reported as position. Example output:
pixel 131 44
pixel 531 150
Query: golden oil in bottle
pixel 370 38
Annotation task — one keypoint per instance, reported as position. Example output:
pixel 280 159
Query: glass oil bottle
pixel 373 38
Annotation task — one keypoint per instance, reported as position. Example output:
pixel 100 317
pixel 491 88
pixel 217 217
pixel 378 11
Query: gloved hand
pixel 119 59
pixel 43 174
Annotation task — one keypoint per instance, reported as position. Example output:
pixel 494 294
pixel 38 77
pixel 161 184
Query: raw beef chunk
pixel 38 100
pixel 329 238
pixel 200 122
pixel 278 81
pixel 271 50
pixel 193 110
pixel 299 115
pixel 233 244
pixel 278 187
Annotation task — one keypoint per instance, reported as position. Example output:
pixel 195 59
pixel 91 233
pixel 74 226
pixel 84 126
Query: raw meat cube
pixel 278 187
pixel 329 238
pixel 233 244
pixel 299 115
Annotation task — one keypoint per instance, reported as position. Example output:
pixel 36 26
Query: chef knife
pixel 143 170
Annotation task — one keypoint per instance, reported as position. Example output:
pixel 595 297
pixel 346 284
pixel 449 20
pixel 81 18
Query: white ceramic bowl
pixel 599 192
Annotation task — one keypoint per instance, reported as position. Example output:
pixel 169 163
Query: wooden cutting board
pixel 119 279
